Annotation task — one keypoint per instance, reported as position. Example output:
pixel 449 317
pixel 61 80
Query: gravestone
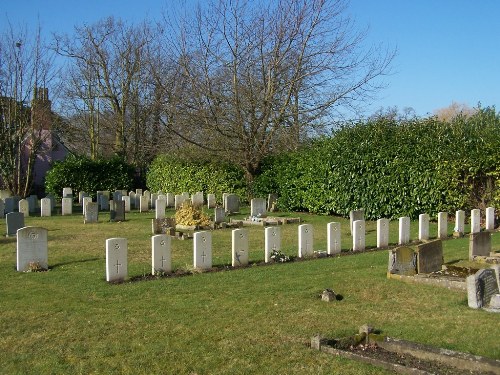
pixel 126 200
pixel 404 230
pixel 219 215
pixel 117 211
pixel 202 245
pixel 116 259
pixel 2 209
pixel 459 223
pixel 333 240
pixel 305 240
pixel 475 220
pixel 430 257
pixel 442 225
pixel 13 222
pixel 479 244
pixel 239 247
pixel 382 233
pixel 185 195
pixel 24 207
pixel 423 227
pixel 490 218
pixel 272 238
pixel 358 235
pixel 154 197
pixel 224 195
pixel 46 207
pixel 258 207
pixel 4 194
pixel 32 250
pixel 164 226
pixel 131 196
pixel 85 200
pixel 147 195
pixel 103 203
pixel 160 207
pixel 402 261
pixel 138 191
pixel 356 215
pixel 67 192
pixel 91 212
pixel 137 201
pixel 481 287
pixel 9 204
pixel 81 194
pixel 211 201
pixel 144 203
pixel 232 204
pixel 170 200
pixel 33 203
pixel 117 195
pixel 67 206
pixel 197 199
pixel 272 203
pixel 178 201
pixel 161 254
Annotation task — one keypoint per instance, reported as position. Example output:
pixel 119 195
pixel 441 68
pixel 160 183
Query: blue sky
pixel 448 50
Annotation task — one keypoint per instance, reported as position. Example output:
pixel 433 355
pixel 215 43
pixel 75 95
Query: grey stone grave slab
pixel 2 209
pixel 239 247
pixel 258 207
pixel 154 197
pixel 91 212
pixel 404 230
pixel 67 192
pixel 481 287
pixel 163 226
pixel 490 218
pixel 32 249
pixel 479 244
pixel 126 200
pixel 334 237
pixel 475 220
pixel 117 211
pixel 423 227
pixel 179 200
pixel 272 241
pixel 185 195
pixel 46 207
pixel 13 222
pixel 9 204
pixel 224 195
pixel 24 207
pixel 67 206
pixel 305 232
pixel 160 206
pixel 52 201
pixel 170 200
pixel 132 199
pixel 161 254
pixel 81 194
pixel 144 203
pixel 103 203
pixel 272 203
pixel 382 233
pixel 430 257
pixel 219 215
pixel 117 195
pixel 197 199
pixel 202 246
pixel 138 191
pixel 459 222
pixel 211 201
pixel 147 194
pixel 358 235
pixel 356 215
pixel 442 225
pixel 33 203
pixel 85 200
pixel 402 261
pixel 232 204
pixel 116 259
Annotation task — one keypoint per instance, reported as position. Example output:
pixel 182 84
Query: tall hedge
pixel 83 174
pixel 170 174
pixel 392 168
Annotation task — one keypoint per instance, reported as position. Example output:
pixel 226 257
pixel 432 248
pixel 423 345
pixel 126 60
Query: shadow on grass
pixel 57 265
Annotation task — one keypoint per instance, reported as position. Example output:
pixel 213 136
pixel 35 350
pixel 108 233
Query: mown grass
pixel 254 320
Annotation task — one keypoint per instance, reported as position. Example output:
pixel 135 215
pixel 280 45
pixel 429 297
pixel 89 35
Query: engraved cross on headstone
pixel 118 265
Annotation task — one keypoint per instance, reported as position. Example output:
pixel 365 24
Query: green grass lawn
pixel 256 320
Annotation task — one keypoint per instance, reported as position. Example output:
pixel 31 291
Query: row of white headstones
pixel 32 243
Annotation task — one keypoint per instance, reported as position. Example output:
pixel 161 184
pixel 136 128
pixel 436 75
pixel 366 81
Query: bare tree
pixel 258 77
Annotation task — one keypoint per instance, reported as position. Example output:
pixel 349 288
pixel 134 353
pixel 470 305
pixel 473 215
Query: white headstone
pixel 356 215
pixel 67 206
pixel 160 207
pixel 32 250
pixel 81 194
pixel 490 218
pixel 423 227
pixel 170 200
pixel 272 241
pixel 85 200
pixel 404 230
pixel 459 222
pixel 202 245
pixel 258 207
pixel 67 192
pixel 24 207
pixel 154 198
pixel 144 203
pixel 197 199
pixel 147 194
pixel 358 235
pixel 46 207
pixel 383 233
pixel 475 220
pixel 116 259
pixel 179 200
pixel 126 199
pixel 161 254
pixel 333 238
pixel 211 201
pixel 240 247
pixel 224 195
pixel 91 212
pixel 442 225
pixel 305 240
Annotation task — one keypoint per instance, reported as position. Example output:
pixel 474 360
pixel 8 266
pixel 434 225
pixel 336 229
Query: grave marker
pixel 24 207
pixel 219 215
pixel 358 235
pixel 164 226
pixel 258 207
pixel 272 203
pixel 402 261
pixel 356 215
pixel 202 245
pixel 239 247
pixel 170 200
pixel 423 227
pixel 116 259
pixel 67 206
pixel 197 199
pixel 91 212
pixel 161 254
pixel 117 211
pixel 475 220
pixel 460 222
pixel 481 287
pixel 85 200
pixel 33 203
pixel 211 201
pixel 154 197
pixel 382 233
pixel 9 204
pixel 305 240
pixel 143 203
pixel 103 203
pixel 430 257
pixel 32 252
pixel 160 206
pixel 232 204
pixel 126 200
pixel 13 222
pixel 272 237
pixel 479 244
pixel 404 230
pixel 490 218
pixel 46 207
pixel 131 196
pixel 442 225
pixel 178 201
pixel 67 192
pixel 333 238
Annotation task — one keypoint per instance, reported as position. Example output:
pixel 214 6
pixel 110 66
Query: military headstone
pixel 154 197
pixel 305 232
pixel 356 215
pixel 430 257
pixel 358 235
pixel 239 247
pixel 24 207
pixel 333 238
pixel 85 200
pixel 442 225
pixel 33 203
pixel 382 233
pixel 67 206
pixel 67 192
pixel 272 238
pixel 144 203
pixel 116 259
pixel 179 200
pixel 459 222
pixel 126 200
pixel 103 203
pixel 197 199
pixel 490 218
pixel 161 254
pixel 160 207
pixel 170 200
pixel 46 207
pixel 423 227
pixel 475 220
pixel 32 250
pixel 219 215
pixel 404 230
pixel 202 245
pixel 211 201
pixel 132 199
